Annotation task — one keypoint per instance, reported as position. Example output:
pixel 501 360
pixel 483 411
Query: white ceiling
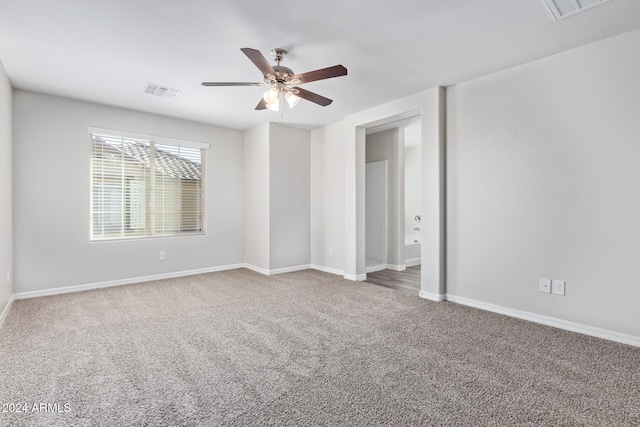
pixel 107 51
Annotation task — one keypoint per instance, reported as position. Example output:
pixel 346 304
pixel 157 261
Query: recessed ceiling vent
pixel 564 8
pixel 160 91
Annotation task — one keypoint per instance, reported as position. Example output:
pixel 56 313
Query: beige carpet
pixel 237 348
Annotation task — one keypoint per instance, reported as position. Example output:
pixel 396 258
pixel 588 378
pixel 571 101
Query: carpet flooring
pixel 236 348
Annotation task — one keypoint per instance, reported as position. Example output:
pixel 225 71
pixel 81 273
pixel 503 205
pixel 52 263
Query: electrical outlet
pixel 558 287
pixel 8 276
pixel 163 255
pixel 330 250
pixel 545 286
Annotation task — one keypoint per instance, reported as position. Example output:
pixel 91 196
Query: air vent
pixel 160 91
pixel 565 8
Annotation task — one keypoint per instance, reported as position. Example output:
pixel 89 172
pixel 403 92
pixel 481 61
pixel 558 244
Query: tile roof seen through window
pixel 171 161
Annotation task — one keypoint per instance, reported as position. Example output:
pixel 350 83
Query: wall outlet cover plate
pixel 558 287
pixel 545 286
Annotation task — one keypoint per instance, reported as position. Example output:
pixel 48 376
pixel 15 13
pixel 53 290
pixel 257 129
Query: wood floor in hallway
pixel 406 281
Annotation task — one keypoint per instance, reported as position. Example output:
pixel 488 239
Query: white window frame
pixel 153 141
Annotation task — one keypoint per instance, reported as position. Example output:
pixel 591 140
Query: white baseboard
pixel 290 269
pixel 295 268
pixel 108 284
pixel 380 267
pixel 327 269
pixel 550 321
pixel 374 268
pixel 277 270
pixel 432 296
pixel 5 312
pixel 355 277
pixel 413 262
pixel 256 269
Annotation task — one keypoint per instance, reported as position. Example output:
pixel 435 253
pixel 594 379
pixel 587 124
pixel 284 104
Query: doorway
pixel 393 202
pixel 430 106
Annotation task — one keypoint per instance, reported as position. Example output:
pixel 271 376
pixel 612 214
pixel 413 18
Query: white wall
pixel 51 197
pixel 328 198
pixel 289 198
pixel 277 197
pixel 256 197
pixel 544 182
pixel 6 217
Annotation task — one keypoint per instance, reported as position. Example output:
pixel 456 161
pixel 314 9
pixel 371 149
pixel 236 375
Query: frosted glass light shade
pixel 273 106
pixel 292 99
pixel 271 96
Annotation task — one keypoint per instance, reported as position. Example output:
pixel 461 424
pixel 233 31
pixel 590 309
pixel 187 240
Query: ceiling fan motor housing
pixel 278 54
pixel 283 74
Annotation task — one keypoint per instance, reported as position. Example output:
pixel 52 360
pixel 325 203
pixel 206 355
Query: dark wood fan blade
pixel 313 97
pixel 262 105
pixel 231 84
pixel 259 60
pixel 324 73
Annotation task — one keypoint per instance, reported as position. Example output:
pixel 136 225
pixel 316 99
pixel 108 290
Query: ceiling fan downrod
pixel 278 54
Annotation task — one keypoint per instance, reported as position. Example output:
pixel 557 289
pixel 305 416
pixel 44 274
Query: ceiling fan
pixel 282 82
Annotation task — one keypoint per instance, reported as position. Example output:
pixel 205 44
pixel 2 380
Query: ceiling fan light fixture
pixel 281 80
pixel 292 99
pixel 271 96
pixel 273 106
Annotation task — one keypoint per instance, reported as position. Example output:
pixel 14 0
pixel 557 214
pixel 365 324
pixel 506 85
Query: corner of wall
pixel 6 193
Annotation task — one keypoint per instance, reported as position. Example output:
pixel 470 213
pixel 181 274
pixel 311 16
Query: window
pixel 144 186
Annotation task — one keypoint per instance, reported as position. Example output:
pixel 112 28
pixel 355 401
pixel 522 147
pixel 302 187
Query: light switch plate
pixel 545 286
pixel 558 287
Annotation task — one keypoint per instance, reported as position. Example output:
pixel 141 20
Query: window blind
pixel 146 188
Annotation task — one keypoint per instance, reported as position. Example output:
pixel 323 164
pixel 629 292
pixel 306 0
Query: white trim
pixel 292 269
pixel 5 312
pixel 432 297
pixel 256 269
pixel 289 269
pixel 277 270
pixel 327 269
pixel 374 268
pixel 401 267
pixel 550 321
pixel 108 284
pixel 160 139
pixel 356 277
pixel 413 262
